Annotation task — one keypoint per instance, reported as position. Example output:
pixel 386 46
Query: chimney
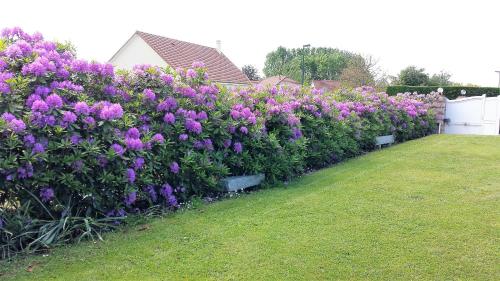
pixel 218 46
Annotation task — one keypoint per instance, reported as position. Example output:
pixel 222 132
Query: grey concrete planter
pixel 384 140
pixel 241 182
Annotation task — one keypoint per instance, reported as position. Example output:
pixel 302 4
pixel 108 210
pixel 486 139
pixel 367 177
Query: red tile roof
pixel 182 54
pixel 278 80
pixel 326 85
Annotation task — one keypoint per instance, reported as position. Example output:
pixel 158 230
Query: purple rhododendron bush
pixel 83 145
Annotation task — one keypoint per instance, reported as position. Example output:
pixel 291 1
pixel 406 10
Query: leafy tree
pixel 440 79
pixel 319 63
pixel 412 76
pixel 358 73
pixel 251 72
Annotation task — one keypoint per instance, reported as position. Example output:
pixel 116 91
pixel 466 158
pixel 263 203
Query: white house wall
pixel 135 52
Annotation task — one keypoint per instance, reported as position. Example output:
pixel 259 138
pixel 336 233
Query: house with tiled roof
pixel 146 48
pixel 326 85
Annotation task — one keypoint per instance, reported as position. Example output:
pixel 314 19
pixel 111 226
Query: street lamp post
pixel 303 68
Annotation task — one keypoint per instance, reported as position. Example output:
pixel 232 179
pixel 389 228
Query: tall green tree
pixel 359 72
pixel 412 76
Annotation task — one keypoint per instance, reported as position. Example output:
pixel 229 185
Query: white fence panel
pixel 473 115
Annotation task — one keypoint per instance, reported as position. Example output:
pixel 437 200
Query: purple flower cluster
pixel 16 125
pixel 47 194
pixel 193 126
pixel 167 192
pixel 111 112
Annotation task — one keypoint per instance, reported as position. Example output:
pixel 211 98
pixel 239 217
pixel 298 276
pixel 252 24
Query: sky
pixel 459 37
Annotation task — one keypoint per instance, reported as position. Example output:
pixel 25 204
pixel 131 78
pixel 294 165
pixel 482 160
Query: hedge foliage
pixel 79 140
pixel 451 92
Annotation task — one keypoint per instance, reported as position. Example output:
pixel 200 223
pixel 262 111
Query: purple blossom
pixel 296 133
pixel 3 65
pixel 4 88
pixel 82 108
pixel 198 64
pixel 38 148
pixel 169 118
pixel 75 139
pixel 208 144
pixel 168 104
pixel 29 140
pixel 40 106
pixel 149 95
pixel 202 115
pixel 7 117
pixel 133 133
pixel 238 147
pixel 172 201
pixel 193 126
pixel 174 167
pixel 227 143
pixel 130 175
pixel 167 192
pixel 138 163
pixel 42 91
pixel 152 193
pixel 158 138
pixel 69 117
pixel 168 79
pixel 118 149
pixel 31 99
pixel 46 194
pixel 134 144
pixel 244 130
pixel 130 198
pixel 102 160
pixel 50 120
pixel 111 112
pixel 110 90
pixel 191 73
pixel 54 101
pixel 199 144
pixel 90 121
pixel 183 137
pixel 17 125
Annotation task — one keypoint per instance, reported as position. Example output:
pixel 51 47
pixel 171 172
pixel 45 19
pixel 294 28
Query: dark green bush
pixel 451 92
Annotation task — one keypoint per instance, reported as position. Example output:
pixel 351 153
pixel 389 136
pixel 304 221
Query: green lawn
pixel 425 209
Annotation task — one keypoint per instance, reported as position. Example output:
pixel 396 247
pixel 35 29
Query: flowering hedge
pixel 76 137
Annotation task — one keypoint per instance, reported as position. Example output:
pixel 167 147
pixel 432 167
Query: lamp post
pixel 303 68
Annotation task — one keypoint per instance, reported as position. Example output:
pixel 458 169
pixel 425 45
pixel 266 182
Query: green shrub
pixel 451 92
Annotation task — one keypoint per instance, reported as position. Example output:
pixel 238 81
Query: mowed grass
pixel 425 209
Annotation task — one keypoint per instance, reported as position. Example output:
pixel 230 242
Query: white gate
pixel 474 115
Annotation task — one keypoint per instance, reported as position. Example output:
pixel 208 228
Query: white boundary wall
pixel 474 115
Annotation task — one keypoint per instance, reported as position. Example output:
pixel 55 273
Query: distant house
pixel 145 48
pixel 278 80
pixel 326 85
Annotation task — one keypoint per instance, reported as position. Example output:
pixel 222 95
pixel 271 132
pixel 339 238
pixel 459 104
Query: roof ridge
pixel 181 41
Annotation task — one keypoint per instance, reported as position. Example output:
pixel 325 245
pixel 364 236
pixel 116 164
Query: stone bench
pixel 384 140
pixel 241 182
